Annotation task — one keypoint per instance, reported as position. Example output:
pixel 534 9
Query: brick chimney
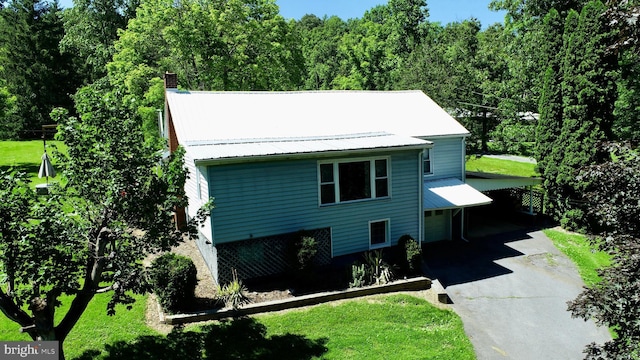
pixel 171 82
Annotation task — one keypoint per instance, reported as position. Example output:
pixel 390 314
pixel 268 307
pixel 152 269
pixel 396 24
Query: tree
pixel 35 71
pixel 122 203
pixel 90 29
pixel 320 39
pixel 611 193
pixel 211 45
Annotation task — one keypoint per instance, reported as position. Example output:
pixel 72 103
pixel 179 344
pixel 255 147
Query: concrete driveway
pixel 511 291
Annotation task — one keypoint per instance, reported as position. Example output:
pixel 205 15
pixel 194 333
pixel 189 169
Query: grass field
pixel 95 327
pixel 580 251
pixel 25 156
pixel 383 327
pixel 499 166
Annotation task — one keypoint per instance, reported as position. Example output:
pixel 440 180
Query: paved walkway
pixel 511 292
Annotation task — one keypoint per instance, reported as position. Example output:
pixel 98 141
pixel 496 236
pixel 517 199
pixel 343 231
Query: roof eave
pixel 307 155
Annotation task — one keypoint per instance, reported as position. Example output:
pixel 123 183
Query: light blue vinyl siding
pixel 270 198
pixel 447 158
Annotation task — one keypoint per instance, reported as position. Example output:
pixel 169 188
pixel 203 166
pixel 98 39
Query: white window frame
pixel 336 179
pixel 387 242
pixel 428 153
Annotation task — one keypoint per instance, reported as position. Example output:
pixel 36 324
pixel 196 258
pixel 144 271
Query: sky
pixel 443 11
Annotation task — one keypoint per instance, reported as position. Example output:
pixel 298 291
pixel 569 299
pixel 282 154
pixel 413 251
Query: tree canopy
pixel 114 207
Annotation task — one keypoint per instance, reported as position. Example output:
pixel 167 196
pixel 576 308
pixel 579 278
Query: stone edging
pixel 419 283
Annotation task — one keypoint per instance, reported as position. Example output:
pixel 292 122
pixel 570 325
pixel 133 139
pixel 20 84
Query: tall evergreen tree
pixel 589 74
pixel 36 73
pixel 549 125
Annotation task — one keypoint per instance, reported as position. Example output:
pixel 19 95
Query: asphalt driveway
pixel 511 291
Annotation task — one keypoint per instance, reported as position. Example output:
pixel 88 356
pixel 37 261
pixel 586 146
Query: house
pixel 355 169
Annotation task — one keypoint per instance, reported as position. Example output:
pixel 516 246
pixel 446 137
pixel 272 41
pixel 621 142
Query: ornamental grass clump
pixel 233 294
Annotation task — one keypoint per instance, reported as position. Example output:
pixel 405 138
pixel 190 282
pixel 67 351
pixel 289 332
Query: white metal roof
pixel 206 116
pixel 252 148
pixel 451 193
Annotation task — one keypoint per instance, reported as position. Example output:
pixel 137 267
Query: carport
pixel 513 197
pixel 444 201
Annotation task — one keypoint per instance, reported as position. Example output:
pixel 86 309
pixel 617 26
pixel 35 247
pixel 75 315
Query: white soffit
pixel 451 193
pixel 204 116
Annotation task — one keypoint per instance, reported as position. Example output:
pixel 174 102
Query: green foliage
pixel 34 72
pixel 174 279
pixel 90 29
pixel 514 137
pixel 113 207
pixel 577 103
pixel 233 294
pixel 410 255
pixel 611 194
pixel 358 275
pixel 306 248
pixel 376 270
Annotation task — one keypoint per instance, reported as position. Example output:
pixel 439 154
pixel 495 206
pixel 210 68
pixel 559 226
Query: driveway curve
pixel 511 291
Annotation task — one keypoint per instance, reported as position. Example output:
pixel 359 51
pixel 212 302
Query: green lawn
pixel 95 327
pixel 383 327
pixel 580 251
pixel 499 166
pixel 389 327
pixel 25 156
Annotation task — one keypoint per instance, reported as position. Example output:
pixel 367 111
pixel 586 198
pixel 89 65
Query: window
pixel 353 180
pixel 379 233
pixel 427 161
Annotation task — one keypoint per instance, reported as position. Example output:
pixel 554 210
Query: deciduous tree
pixel 611 194
pixel 113 208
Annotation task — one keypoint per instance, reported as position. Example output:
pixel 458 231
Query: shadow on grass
pixel 243 338
pixel 30 169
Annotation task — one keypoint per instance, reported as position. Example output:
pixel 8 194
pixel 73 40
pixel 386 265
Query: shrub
pixel 358 276
pixel 410 255
pixel 373 271
pixel 233 294
pixel 174 279
pixel 306 249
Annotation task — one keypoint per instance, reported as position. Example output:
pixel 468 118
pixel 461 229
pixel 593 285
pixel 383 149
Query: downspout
pixel 420 198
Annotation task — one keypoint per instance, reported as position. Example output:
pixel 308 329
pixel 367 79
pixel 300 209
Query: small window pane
pixel 326 173
pixel 382 188
pixel 327 194
pixel 381 168
pixel 378 232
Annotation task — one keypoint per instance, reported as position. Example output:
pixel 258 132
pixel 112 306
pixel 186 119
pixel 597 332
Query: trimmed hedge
pixel 174 279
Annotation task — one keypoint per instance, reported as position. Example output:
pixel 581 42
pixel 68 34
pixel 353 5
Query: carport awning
pixel 451 193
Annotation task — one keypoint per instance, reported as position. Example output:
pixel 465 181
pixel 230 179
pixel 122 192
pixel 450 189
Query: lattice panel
pixel 266 256
pixel 523 197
